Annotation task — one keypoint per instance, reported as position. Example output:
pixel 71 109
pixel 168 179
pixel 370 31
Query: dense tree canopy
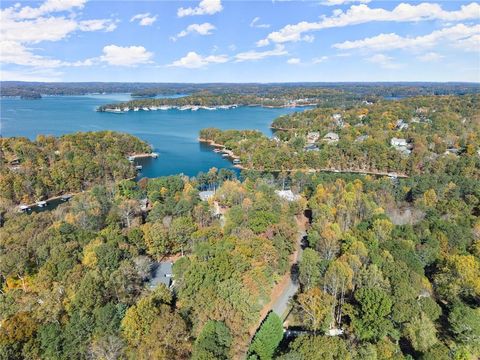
pixel 48 166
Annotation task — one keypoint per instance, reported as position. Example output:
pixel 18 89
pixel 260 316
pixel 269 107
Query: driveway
pixel 281 303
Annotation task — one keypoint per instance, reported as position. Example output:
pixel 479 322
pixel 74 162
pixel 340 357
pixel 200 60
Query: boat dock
pixel 133 157
pixel 44 203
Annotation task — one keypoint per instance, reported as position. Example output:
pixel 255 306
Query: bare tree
pixel 107 348
pixel 128 210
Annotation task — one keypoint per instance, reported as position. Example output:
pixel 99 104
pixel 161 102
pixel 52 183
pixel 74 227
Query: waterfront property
pixel 173 134
pixel 206 195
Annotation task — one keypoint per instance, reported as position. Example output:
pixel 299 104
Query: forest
pixel 50 166
pixel 75 281
pixel 393 89
pixel 293 97
pixel 438 134
pixel 385 267
pixel 390 270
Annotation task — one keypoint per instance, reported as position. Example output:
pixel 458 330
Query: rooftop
pixel 205 195
pixel 287 195
pixel 162 274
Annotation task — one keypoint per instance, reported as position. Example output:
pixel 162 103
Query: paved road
pixel 280 306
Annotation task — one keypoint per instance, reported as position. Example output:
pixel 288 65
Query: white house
pixel 331 137
pixel 287 195
pixel 205 195
pixel 312 137
pixel 361 138
pixel 401 124
pixel 401 145
pixel 396 142
pixel 338 120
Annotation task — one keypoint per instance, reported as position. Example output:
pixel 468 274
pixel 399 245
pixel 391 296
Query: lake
pixel 172 133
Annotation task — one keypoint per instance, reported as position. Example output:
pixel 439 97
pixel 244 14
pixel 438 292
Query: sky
pixel 240 41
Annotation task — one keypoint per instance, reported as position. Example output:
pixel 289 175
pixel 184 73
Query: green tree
pixel 465 324
pixel 180 232
pixel 422 333
pixel 371 321
pixel 309 268
pixel 307 347
pixel 267 337
pixel 213 342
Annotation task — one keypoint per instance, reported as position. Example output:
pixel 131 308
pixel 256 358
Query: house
pixel 162 274
pixel 206 195
pixel 421 110
pixel 452 151
pixel 361 138
pixel 401 125
pixel 338 120
pixel 334 332
pixel 331 137
pixel 401 145
pixel 287 195
pixel 396 142
pixel 144 204
pixel 312 137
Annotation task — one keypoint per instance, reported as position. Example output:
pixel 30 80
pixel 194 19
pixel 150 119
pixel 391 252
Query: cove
pixel 172 133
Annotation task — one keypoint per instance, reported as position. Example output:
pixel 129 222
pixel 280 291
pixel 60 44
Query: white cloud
pixel 205 7
pixel 320 59
pixel 293 61
pixel 471 43
pixel 360 14
pixel 200 29
pixel 279 50
pixel 194 61
pixel 144 19
pixel 342 2
pixel 460 36
pixel 430 57
pixel 384 61
pixel 126 55
pixel 23 26
pixel 14 53
pixel 49 6
pixel 37 30
pixel 255 24
pixel 97 25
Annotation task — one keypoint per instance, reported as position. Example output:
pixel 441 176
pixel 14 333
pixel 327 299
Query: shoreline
pixel 70 195
pixel 282 129
pixel 118 109
pixel 347 171
pixel 230 153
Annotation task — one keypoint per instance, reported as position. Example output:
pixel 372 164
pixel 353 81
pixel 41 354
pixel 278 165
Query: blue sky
pixel 240 41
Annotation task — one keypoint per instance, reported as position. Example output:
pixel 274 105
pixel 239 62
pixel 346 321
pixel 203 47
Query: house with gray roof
pixel 162 274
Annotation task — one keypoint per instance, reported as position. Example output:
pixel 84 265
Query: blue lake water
pixel 172 133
